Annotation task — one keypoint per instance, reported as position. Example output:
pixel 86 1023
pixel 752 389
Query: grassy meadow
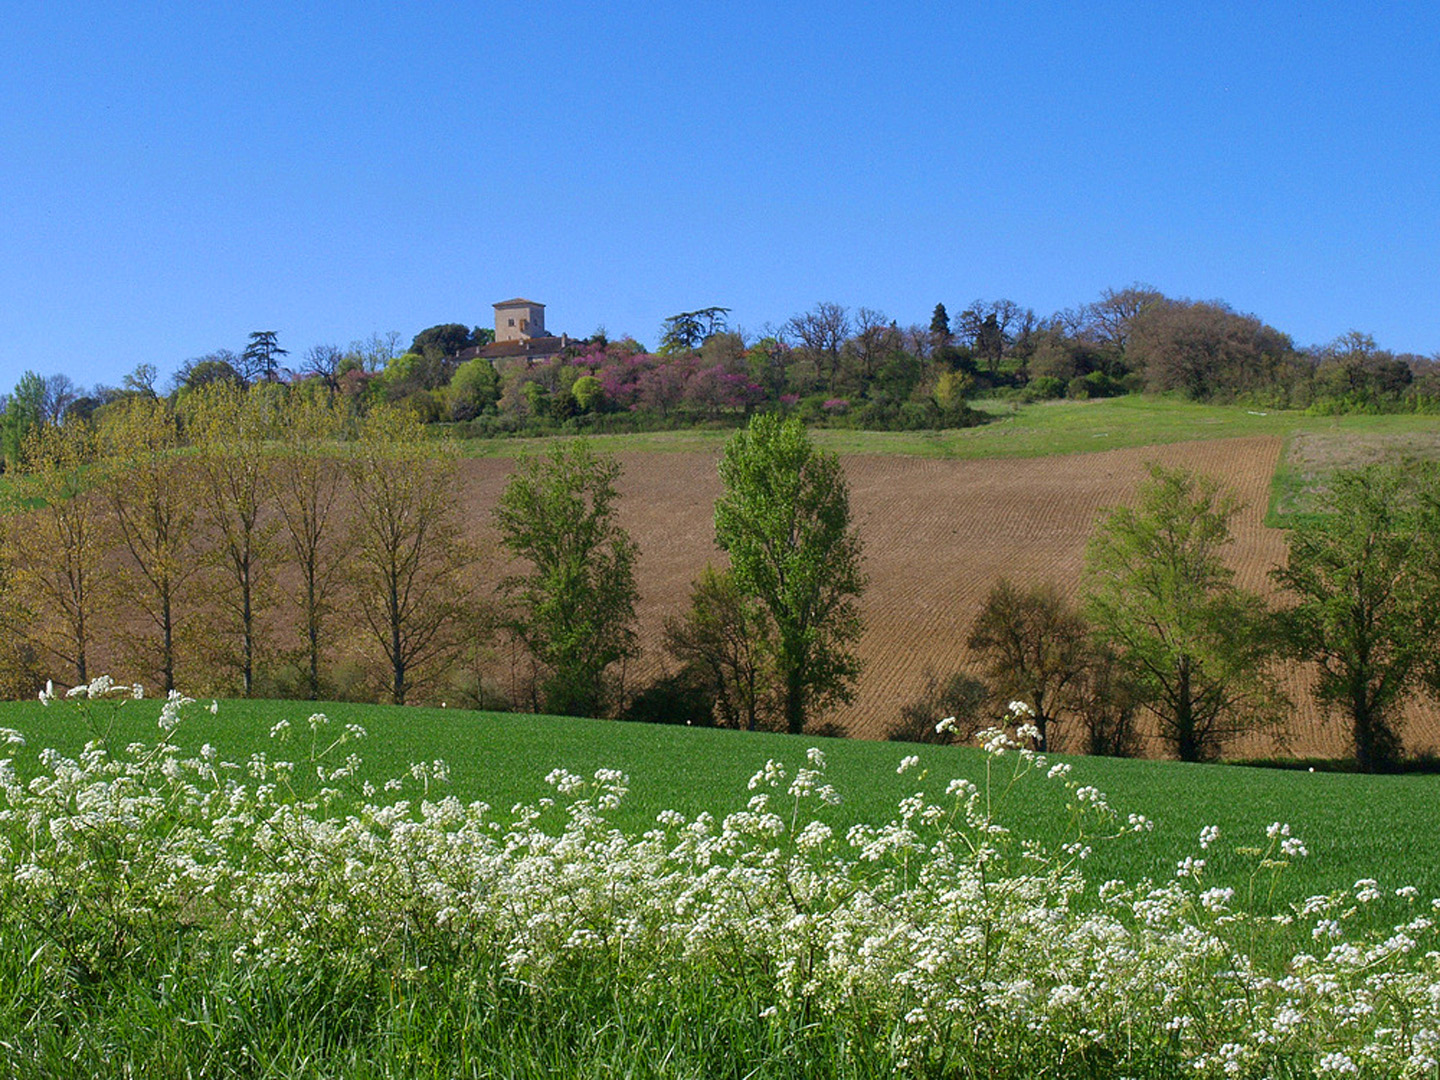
pixel 1041 429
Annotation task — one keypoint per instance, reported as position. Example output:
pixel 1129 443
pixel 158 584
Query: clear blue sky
pixel 176 175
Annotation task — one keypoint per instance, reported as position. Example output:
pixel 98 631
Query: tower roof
pixel 517 302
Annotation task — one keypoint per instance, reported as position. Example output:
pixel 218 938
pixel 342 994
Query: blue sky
pixel 178 175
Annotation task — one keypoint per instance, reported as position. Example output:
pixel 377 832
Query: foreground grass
pixel 160 918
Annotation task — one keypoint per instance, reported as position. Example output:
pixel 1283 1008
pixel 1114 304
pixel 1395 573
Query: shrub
pixel 960 696
pixel 682 697
pixel 1044 388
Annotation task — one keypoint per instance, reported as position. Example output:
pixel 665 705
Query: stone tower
pixel 517 320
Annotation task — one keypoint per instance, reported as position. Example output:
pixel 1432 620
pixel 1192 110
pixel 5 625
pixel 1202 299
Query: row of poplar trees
pixel 232 534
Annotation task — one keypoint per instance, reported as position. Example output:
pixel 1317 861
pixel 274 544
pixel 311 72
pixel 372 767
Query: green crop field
pixel 156 921
pixel 1383 827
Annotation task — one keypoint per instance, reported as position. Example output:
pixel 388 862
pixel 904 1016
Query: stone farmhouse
pixel 520 336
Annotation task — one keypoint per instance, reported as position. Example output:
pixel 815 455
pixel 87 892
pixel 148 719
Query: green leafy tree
pixel 447 339
pixel 940 326
pixel 587 392
pixel 1193 644
pixel 23 413
pixel 1367 603
pixel 689 329
pixel 574 608
pixel 218 366
pixel 784 519
pixel 474 389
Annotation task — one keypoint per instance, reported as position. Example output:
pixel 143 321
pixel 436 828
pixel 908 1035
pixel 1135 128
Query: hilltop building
pixel 519 335
pixel 516 320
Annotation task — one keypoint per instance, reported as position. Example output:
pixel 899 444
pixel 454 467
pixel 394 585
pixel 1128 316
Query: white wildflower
pixel 1336 1064
pixel 1216 900
pixel 771 775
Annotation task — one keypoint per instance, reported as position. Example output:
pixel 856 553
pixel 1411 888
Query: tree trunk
pixel 794 701
pixel 167 655
pixel 1187 746
pixel 247 620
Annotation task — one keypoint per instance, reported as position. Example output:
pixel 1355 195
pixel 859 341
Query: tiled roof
pixel 536 346
pixel 517 302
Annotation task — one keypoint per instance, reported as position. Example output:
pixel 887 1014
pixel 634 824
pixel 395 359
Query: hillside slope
pixel 938 534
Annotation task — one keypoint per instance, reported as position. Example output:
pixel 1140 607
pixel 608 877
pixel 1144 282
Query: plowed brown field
pixel 937 535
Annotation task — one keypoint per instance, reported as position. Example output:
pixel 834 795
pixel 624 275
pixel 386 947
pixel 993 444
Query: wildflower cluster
pixel 964 942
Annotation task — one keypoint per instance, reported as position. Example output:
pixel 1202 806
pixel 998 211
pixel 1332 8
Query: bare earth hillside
pixel 937 535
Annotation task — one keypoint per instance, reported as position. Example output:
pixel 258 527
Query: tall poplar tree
pixel 408 557
pixel 307 485
pixel 150 489
pixel 784 519
pixel 58 547
pixel 230 429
